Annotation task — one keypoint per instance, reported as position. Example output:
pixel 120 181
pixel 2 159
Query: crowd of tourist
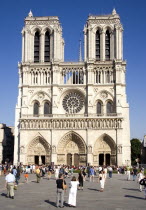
pixel 60 172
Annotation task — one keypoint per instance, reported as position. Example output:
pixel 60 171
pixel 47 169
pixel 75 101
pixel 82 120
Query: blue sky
pixel 73 15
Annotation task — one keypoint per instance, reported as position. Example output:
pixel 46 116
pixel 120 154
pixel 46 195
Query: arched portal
pixel 105 151
pixel 72 150
pixel 38 151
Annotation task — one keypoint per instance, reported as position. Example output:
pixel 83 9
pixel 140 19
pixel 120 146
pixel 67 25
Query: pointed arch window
pixel 47 108
pixel 97 45
pixel 36 109
pixel 47 46
pixel 36 47
pixel 107 45
pixel 109 107
pixel 99 108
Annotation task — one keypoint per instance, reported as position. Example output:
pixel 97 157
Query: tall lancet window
pixel 36 109
pixel 97 45
pixel 107 45
pixel 36 47
pixel 47 46
pixel 47 108
pixel 109 107
pixel 99 108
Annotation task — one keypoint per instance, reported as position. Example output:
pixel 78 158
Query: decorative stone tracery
pixel 73 102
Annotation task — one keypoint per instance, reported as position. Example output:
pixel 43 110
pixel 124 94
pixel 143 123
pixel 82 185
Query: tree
pixel 135 150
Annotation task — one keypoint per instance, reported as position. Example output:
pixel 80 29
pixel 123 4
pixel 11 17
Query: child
pixel 26 177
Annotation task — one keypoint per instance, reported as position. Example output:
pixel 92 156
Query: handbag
pixel 64 186
pixel 15 187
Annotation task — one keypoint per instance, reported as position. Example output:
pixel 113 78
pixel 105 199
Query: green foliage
pixel 135 150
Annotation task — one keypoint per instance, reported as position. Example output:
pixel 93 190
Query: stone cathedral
pixel 72 113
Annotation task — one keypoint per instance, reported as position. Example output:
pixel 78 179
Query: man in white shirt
pixel 10 180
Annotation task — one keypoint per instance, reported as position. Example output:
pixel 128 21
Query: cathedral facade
pixel 72 113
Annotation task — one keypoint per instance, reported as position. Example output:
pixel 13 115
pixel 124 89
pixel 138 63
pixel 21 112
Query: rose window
pixel 73 102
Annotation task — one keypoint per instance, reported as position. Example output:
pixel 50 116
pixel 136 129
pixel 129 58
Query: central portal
pixel 72 150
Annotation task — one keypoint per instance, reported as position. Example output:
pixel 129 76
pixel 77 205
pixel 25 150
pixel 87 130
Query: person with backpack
pixel 140 176
pixel 143 182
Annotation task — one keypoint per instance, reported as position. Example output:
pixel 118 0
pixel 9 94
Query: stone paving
pixel 118 194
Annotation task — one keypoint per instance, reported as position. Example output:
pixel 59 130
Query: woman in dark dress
pixel 80 178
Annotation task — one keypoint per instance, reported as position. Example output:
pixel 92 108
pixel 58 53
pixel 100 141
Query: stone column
pixel 102 45
pixel 42 47
pixel 73 159
pixel 26 46
pixel 85 46
pixel 1 152
pixel 120 44
pixel 54 47
pixel 23 48
pixel 117 43
pixel 40 160
pixel 112 47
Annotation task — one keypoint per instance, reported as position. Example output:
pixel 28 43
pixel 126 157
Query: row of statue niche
pixel 69 123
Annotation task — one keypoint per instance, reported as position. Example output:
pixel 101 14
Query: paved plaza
pixel 118 194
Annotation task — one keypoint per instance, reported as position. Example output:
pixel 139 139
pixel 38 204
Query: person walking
pixel 56 171
pixel 140 176
pixel 80 178
pixel 38 174
pixel 128 173
pixel 91 174
pixel 60 190
pixel 73 192
pixel 26 177
pixel 17 175
pixel 10 180
pixel 134 172
pixel 84 174
pixel 110 171
pixel 102 180
pixel 143 182
pixel 14 171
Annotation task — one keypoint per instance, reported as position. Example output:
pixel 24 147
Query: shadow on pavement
pixel 3 194
pixel 131 189
pixel 51 202
pixel 131 196
pixel 93 189
pixel 34 181
pixel 54 203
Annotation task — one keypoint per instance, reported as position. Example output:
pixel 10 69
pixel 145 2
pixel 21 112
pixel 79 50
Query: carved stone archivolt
pixel 104 144
pixel 72 142
pixel 72 147
pixel 38 146
pixel 68 123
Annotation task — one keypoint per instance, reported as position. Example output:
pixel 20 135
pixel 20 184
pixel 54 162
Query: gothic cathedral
pixel 72 113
